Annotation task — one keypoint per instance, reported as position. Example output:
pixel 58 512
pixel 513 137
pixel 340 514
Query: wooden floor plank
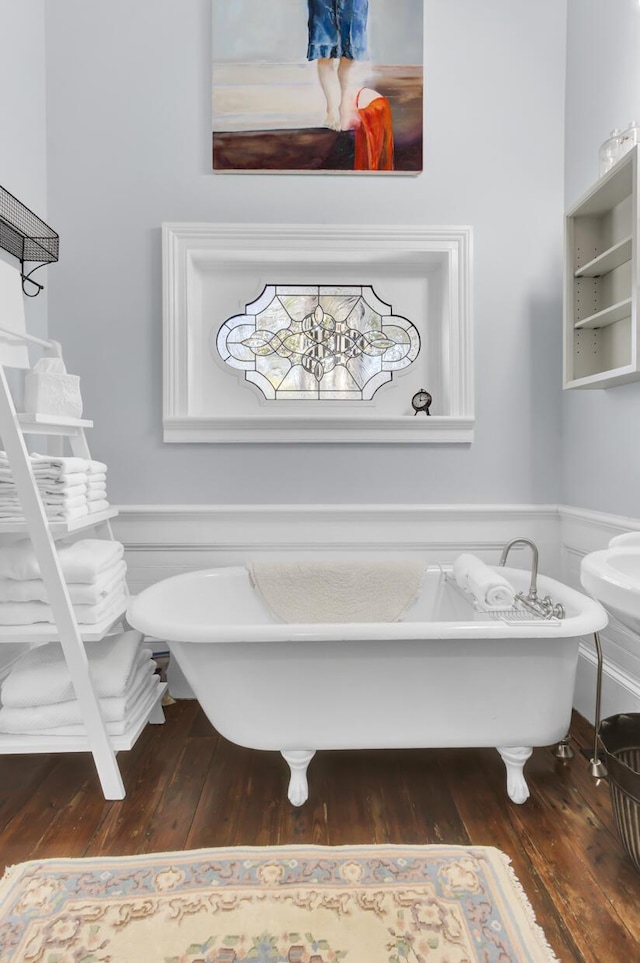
pixel 19 776
pixel 239 801
pixel 478 785
pixel 20 839
pixel 171 821
pixel 601 856
pixel 577 893
pixel 147 770
pixel 189 788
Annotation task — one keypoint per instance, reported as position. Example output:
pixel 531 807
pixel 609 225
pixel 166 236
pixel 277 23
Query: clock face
pixel 421 399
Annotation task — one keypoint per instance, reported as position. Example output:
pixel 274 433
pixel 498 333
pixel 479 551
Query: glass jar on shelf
pixel 629 137
pixel 610 151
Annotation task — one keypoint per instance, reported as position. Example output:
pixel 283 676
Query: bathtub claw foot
pixel 514 759
pixel 298 761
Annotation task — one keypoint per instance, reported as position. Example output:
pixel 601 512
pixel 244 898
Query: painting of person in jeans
pixel 337 40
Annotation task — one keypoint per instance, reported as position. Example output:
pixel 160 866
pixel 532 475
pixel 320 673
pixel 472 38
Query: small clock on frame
pixel 421 401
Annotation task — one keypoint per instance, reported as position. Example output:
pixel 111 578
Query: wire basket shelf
pixel 24 235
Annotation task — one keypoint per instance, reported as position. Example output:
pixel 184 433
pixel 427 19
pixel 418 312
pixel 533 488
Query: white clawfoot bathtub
pixel 445 676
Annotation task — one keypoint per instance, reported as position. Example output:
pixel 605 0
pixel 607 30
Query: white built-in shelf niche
pixel 211 272
pixel 601 279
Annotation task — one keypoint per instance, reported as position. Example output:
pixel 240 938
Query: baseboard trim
pixel 620 690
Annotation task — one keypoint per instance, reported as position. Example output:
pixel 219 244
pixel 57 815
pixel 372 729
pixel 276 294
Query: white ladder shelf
pixel 13 427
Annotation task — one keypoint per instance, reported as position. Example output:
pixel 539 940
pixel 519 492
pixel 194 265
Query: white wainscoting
pixel 164 540
pixel 583 531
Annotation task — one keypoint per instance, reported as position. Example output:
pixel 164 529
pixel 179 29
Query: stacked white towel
pixel 38 696
pixel 94 570
pixel 491 589
pixel 97 487
pixel 69 487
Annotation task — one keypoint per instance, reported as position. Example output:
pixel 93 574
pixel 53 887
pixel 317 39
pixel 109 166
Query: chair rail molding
pixel 212 271
pixel 164 540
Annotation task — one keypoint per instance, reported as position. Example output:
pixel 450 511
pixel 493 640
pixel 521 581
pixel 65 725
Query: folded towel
pixel 46 464
pixel 31 613
pixel 43 717
pixel 70 499
pixel 61 465
pixel 81 561
pixel 97 478
pixel 68 483
pixel 96 494
pixel 53 512
pixel 146 699
pixel 98 506
pixel 338 591
pixel 82 593
pixel 41 676
pixel 97 467
pixel 64 483
pixel 67 513
pixel 76 494
pixel 491 589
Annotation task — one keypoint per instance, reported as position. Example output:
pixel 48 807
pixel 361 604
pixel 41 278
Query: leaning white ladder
pixel 44 547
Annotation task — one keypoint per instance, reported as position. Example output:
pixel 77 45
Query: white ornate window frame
pixel 229 263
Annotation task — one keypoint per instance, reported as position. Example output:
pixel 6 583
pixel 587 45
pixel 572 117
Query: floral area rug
pixel 293 904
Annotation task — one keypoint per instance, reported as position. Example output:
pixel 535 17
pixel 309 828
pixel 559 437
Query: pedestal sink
pixel 612 576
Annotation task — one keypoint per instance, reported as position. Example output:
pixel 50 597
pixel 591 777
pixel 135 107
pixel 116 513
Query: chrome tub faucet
pixel 544 607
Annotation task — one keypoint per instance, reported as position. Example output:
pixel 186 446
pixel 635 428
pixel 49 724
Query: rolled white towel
pixel 81 561
pixel 41 676
pixel 491 589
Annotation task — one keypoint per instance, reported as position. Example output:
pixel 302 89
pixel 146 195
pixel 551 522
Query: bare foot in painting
pixel 349 117
pixel 332 120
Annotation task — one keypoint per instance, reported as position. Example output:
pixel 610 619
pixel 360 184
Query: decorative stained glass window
pixel 317 343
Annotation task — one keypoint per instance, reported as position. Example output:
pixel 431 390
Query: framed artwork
pixel 317 86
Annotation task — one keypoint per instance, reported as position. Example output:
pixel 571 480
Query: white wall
pixel 23 159
pixel 129 147
pixel 601 455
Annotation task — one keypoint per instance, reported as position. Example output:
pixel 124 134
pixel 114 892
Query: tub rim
pixel 590 618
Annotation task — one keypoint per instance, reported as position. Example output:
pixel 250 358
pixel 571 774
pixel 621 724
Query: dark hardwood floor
pixel 187 788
